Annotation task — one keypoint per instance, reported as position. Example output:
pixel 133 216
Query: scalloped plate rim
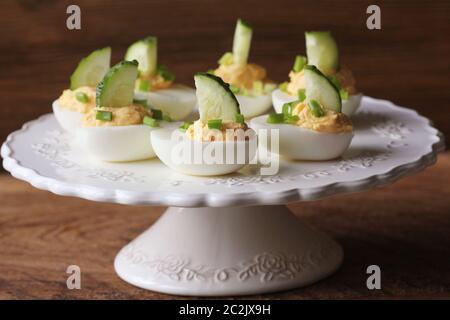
pixel 216 199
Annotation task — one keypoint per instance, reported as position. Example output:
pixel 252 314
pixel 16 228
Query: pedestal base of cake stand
pixel 227 251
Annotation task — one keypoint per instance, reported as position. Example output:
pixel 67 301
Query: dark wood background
pixel 404 228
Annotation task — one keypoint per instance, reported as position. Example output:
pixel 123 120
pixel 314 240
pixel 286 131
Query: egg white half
pixel 165 147
pixel 119 143
pixel 254 106
pixel 298 143
pixel 68 120
pixel 349 107
pixel 178 101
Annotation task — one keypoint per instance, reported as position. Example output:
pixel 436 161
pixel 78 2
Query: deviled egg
pixel 216 144
pixel 118 128
pixel 155 82
pixel 312 127
pixel 248 81
pixel 322 52
pixel 80 98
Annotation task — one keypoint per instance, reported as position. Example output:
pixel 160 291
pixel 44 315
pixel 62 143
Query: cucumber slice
pixel 117 87
pixel 91 69
pixel 145 51
pixel 318 87
pixel 215 99
pixel 322 51
pixel 241 42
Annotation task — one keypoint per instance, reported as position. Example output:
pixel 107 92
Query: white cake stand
pixel 220 236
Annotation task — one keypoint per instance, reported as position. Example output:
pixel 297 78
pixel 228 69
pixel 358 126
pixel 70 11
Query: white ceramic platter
pixel 389 143
pixel 227 251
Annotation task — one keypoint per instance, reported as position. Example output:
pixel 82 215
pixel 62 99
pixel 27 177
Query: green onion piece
pixel 167 118
pixel 82 97
pixel 151 122
pixel 301 95
pixel 215 124
pixel 103 115
pixel 144 85
pixel 287 109
pixel 283 86
pixel 344 94
pixel 291 119
pixel 142 102
pixel 234 89
pixel 165 73
pixel 239 118
pixel 226 59
pixel 211 71
pixel 157 114
pixel 300 62
pixel 316 109
pixel 258 87
pixel 185 126
pixel 275 118
pixel 269 87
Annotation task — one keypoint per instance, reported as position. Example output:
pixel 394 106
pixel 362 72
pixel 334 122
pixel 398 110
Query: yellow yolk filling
pixel 242 76
pixel 344 76
pixel 330 122
pixel 156 82
pixel 68 100
pixel 123 116
pixel 199 131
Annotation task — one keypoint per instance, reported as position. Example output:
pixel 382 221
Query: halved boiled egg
pixel 218 143
pixel 155 82
pixel 118 129
pixel 298 143
pixel 322 52
pixel 80 98
pixel 311 129
pixel 248 81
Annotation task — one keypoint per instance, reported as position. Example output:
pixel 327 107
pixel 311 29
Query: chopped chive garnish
pixel 234 89
pixel 226 59
pixel 103 115
pixel 291 119
pixel 144 85
pixel 82 97
pixel 316 109
pixel 301 95
pixel 239 118
pixel 275 118
pixel 287 109
pixel 167 118
pixel 142 102
pixel 151 122
pixel 283 86
pixel 157 114
pixel 299 63
pixel 269 87
pixel 344 94
pixel 215 124
pixel 165 73
pixel 258 87
pixel 185 126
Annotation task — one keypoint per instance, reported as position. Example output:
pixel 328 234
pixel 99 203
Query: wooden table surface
pixel 404 228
